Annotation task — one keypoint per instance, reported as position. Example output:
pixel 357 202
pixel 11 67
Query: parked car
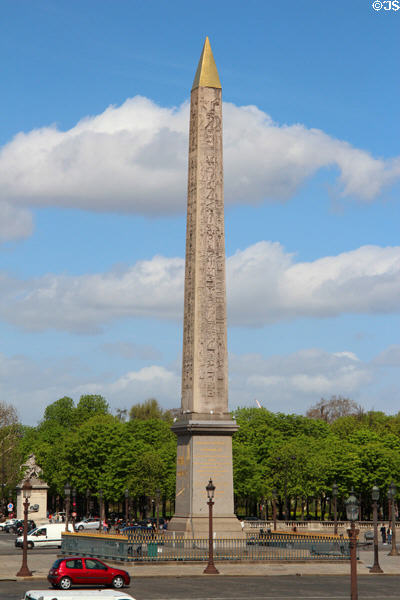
pixel 6 524
pixel 87 524
pixel 66 572
pixel 12 527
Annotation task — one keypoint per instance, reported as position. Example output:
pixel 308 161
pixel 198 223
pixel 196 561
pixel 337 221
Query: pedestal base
pixel 197 527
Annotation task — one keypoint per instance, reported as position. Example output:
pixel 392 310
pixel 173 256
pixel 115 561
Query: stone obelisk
pixel 205 427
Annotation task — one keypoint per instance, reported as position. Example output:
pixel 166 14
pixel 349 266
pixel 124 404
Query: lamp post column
pixel 391 495
pixel 210 568
pixel 352 515
pixel 353 533
pixel 24 571
pixel 375 496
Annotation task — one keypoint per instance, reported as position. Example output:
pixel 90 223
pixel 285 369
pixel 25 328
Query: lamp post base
pixel 393 552
pixel 375 569
pixel 24 572
pixel 211 570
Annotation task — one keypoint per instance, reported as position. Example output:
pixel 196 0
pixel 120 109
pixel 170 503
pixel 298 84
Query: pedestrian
pixel 105 526
pixel 389 535
pixel 383 534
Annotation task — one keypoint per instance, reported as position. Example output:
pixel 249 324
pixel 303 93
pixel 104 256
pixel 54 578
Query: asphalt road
pixel 240 588
pixel 7 546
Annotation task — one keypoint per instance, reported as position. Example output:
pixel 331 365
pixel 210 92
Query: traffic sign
pixel 74 514
pixel 10 506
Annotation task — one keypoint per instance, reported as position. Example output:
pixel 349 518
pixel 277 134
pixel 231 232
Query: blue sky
pixel 92 199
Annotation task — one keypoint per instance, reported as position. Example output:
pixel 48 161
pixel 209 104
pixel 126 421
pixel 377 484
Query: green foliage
pixel 11 456
pixel 149 409
pixel 298 456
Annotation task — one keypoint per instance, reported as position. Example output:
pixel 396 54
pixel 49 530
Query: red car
pixel 85 571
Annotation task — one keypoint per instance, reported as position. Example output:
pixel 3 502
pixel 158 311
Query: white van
pixel 46 535
pixel 77 595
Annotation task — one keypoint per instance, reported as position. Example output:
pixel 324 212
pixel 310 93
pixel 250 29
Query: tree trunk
pixel 280 506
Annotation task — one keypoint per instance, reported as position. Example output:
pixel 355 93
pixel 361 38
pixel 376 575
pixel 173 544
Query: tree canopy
pixel 297 457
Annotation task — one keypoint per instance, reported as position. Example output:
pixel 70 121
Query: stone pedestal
pixel 204 452
pixel 38 498
pixel 37 510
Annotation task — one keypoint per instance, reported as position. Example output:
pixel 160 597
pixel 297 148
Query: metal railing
pixel 265 547
pixel 313 525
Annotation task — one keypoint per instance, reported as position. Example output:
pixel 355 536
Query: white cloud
pixel 264 283
pixel 390 357
pixel 288 383
pixel 15 222
pixel 131 350
pixel 136 386
pixel 295 381
pixel 133 158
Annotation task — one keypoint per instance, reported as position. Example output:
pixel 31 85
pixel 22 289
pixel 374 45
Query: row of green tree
pixel 297 458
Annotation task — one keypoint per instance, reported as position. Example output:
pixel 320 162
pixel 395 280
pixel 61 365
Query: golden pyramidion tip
pixel 206 74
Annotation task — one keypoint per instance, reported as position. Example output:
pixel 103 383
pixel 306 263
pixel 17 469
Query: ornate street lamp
pixel 210 568
pixel 67 494
pixel 375 497
pixel 352 515
pixel 126 506
pixel 274 495
pixel 391 496
pixel 334 496
pixel 26 492
pixel 100 497
pixel 158 492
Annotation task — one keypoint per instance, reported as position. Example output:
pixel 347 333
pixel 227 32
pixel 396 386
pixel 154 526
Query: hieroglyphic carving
pixel 204 372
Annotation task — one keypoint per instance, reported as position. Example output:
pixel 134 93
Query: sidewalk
pixel 39 564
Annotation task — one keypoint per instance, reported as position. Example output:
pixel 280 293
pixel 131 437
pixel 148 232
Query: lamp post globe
pixel 210 487
pixel 352 507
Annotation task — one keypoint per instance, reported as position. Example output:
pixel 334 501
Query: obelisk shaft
pixel 205 363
